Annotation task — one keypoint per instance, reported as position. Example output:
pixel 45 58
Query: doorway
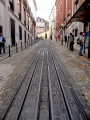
pixel 12 32
pixel 1 29
pixel 25 36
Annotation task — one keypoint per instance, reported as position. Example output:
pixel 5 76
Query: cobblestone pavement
pixel 78 67
pixel 12 67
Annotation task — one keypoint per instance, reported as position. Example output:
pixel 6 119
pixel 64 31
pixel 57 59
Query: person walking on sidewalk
pixel 2 43
pixel 56 38
pixel 68 41
pixel 65 39
pixel 71 41
pixel 59 37
pixel 81 43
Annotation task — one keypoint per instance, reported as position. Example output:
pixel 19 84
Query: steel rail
pixel 63 92
pixel 13 97
pixel 51 116
pixel 39 94
pixel 24 99
pixel 50 93
pixel 79 105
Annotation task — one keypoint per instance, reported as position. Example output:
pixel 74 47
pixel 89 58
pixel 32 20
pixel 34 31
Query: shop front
pixel 83 15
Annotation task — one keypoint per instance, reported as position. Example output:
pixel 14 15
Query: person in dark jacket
pixel 2 43
pixel 65 39
pixel 71 41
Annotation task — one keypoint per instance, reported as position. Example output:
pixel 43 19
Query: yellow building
pixel 43 34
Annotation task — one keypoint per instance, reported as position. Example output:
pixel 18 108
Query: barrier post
pixel 9 51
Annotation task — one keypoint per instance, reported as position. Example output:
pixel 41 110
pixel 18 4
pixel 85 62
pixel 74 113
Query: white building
pixel 52 23
pixel 16 21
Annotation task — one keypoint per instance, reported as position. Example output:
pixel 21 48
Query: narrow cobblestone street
pixel 45 60
pixel 77 66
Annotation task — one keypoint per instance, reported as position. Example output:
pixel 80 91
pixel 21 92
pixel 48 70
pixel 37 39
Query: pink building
pixel 41 25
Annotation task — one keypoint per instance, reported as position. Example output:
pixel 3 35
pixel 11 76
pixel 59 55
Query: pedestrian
pixel 81 43
pixel 51 37
pixel 71 38
pixel 2 43
pixel 58 37
pixel 65 39
pixel 68 41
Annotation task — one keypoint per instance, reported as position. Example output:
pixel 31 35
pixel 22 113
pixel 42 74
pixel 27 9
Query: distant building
pixel 41 25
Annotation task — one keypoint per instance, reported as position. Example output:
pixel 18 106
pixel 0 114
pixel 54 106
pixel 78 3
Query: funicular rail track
pixel 73 106
pixel 43 107
pixel 32 98
pixel 24 80
pixel 45 92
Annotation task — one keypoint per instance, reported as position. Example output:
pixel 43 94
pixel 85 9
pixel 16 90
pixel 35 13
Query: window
pixel 24 17
pixel 25 36
pixel 69 17
pixel 28 21
pixel 20 33
pixel 28 36
pixel 77 4
pixel 11 2
pixel 76 32
pixel 38 20
pixel 19 9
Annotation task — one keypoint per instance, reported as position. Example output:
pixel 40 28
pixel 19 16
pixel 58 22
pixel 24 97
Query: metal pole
pixel 25 45
pixel 9 51
pixel 29 42
pixel 16 48
pixel 62 35
pixel 21 46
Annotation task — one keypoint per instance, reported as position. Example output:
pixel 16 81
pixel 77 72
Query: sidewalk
pixel 79 69
pixel 11 67
pixel 9 51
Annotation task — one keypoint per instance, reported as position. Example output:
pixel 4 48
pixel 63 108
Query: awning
pixel 82 14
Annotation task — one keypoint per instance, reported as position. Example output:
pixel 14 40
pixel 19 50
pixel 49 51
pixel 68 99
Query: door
pixel 0 29
pixel 12 32
pixel 25 36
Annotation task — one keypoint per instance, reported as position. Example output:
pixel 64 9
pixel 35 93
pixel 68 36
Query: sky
pixel 44 8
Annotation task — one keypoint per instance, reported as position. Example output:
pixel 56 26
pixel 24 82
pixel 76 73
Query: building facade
pixel 52 23
pixel 16 21
pixel 41 25
pixel 73 16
